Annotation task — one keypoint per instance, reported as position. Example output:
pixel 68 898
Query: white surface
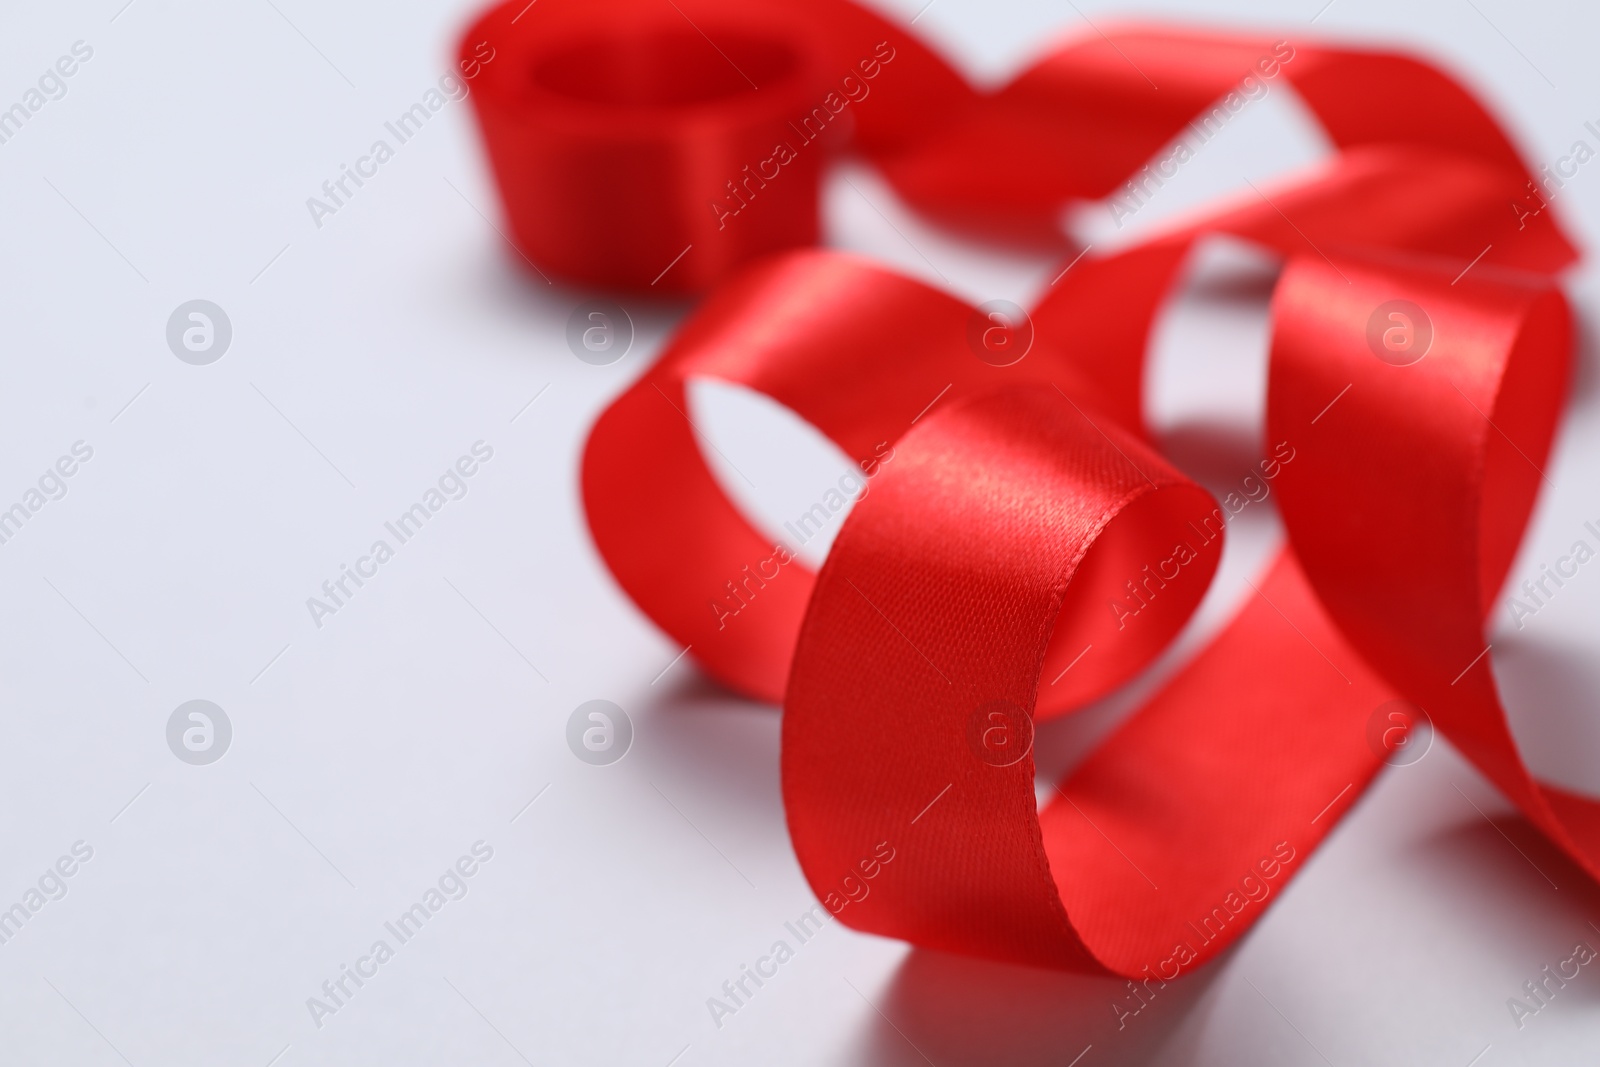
pixel 377 749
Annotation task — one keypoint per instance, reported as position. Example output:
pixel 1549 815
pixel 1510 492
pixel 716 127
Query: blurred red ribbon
pixel 1027 550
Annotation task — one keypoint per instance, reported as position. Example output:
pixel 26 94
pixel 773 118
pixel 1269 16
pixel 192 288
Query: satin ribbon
pixel 1023 548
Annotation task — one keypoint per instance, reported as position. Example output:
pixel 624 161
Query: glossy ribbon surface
pixel 1023 548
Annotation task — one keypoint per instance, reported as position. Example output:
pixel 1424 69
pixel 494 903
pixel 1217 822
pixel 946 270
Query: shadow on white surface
pixel 955 1011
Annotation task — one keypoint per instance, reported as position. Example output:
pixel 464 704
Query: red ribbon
pixel 967 593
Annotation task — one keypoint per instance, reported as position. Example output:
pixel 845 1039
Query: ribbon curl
pixel 677 147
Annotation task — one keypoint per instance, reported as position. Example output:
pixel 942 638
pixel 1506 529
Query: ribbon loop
pixel 919 668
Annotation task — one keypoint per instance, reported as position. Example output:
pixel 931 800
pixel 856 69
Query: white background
pixel 370 753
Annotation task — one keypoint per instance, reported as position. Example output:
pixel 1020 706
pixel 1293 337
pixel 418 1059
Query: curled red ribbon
pixel 1418 367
